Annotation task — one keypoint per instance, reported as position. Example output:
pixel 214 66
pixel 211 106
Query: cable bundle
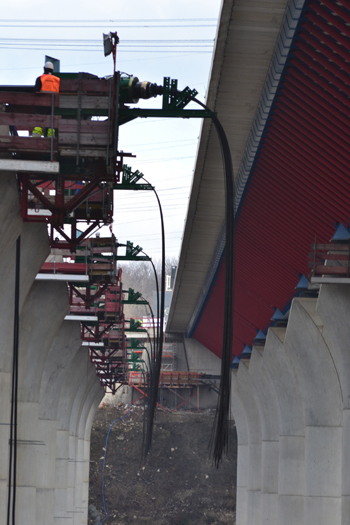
pixel 156 361
pixel 11 500
pixel 220 437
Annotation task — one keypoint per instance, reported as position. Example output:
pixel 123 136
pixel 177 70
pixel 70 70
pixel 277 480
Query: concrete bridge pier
pixel 64 488
pixel 242 390
pixel 238 415
pixel 83 451
pixel 85 425
pixel 61 476
pixel 6 357
pixel 59 359
pixel 291 476
pixel 295 397
pixel 34 249
pixel 322 399
pixel 84 398
pixel 266 403
pixel 33 252
pixel 44 309
pixel 333 306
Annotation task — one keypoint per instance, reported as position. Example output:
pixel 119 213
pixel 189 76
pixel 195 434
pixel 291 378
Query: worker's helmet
pixel 49 65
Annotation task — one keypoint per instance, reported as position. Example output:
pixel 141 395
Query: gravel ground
pixel 177 485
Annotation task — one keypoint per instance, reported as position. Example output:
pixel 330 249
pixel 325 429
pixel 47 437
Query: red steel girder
pixel 326 14
pixel 323 66
pixel 301 103
pixel 325 89
pixel 321 25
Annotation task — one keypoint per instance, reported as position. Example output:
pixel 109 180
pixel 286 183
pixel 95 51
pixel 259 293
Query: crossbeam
pixel 38 166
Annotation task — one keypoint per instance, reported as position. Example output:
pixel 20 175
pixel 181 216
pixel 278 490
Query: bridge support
pixel 291 404
pixel 58 390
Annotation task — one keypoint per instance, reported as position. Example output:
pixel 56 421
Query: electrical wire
pixel 104 464
pixel 91 42
pixel 110 20
pixel 155 332
pixel 157 365
pixel 151 207
pixel 14 395
pixel 220 438
pixel 166 159
pixel 193 143
pixel 164 142
pixel 154 26
pixel 150 219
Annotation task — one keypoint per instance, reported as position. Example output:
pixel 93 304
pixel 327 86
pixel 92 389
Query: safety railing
pixel 330 259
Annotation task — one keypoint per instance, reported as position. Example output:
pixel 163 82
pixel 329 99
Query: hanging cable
pixel 154 380
pixel 155 332
pixel 14 397
pixel 220 438
pixel 153 326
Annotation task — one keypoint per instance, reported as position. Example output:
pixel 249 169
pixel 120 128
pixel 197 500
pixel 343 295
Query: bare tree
pixel 140 277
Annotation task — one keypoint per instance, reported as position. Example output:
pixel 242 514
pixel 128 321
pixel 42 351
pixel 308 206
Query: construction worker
pixel 46 83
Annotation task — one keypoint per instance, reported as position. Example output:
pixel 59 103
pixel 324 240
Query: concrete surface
pixel 291 407
pixel 55 406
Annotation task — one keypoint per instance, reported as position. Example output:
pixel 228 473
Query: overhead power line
pixel 101 27
pixel 130 46
pixel 110 20
pixel 83 49
pixel 90 41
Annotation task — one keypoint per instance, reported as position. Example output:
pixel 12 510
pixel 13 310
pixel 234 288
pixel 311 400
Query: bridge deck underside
pixel 298 186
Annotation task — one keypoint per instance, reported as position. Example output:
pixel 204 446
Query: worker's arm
pixel 38 85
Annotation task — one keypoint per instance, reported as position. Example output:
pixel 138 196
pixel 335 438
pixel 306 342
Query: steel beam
pixel 62 277
pixel 84 318
pixel 39 166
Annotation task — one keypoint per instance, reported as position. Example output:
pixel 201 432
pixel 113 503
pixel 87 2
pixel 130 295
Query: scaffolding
pixel 66 179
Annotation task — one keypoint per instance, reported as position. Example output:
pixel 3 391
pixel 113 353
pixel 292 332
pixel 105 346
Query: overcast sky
pixel 165 148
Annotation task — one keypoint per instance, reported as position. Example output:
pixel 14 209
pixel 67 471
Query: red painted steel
pixel 298 186
pixel 85 148
pixel 102 297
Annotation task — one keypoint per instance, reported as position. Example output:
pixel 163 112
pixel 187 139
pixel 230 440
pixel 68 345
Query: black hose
pixel 220 437
pixel 14 395
pixel 154 380
pixel 155 332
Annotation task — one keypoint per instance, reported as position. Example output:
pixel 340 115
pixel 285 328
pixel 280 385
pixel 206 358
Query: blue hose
pixel 104 463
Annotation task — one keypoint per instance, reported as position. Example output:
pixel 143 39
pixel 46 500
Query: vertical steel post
pixel 52 131
pixel 78 120
pixel 115 113
pixel 109 121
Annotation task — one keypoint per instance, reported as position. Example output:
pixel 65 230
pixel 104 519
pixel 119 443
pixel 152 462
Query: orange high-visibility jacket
pixel 50 83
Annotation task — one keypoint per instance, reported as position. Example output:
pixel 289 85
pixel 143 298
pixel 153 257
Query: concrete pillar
pixel 85 424
pixel 200 359
pixel 34 249
pixel 59 360
pixel 65 461
pixel 322 399
pixel 333 307
pixel 42 314
pixel 291 465
pixel 266 403
pixel 74 406
pixel 238 415
pixel 84 399
pixel 43 448
pixel 242 389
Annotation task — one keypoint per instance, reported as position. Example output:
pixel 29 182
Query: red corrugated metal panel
pixel 299 185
